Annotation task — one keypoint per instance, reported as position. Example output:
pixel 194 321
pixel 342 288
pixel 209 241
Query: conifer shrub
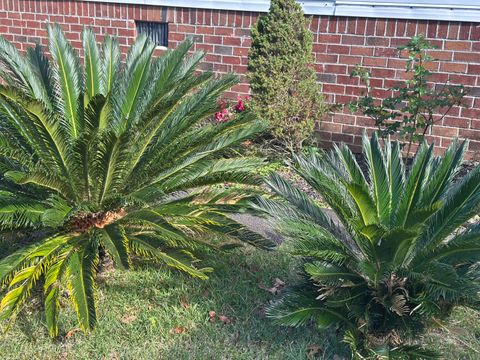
pixel 281 75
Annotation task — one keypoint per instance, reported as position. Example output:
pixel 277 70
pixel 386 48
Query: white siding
pixel 452 10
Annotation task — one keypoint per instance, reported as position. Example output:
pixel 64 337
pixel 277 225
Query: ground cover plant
pixel 282 77
pixel 416 104
pixel 396 257
pixel 99 157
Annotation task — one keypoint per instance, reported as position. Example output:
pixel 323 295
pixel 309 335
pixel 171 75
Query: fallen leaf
pixel 72 332
pixel 313 351
pixel 205 293
pixel 224 319
pixel 127 319
pixel 211 315
pixel 184 303
pixel 234 339
pixel 277 287
pixel 178 330
pixel 278 283
pixel 63 355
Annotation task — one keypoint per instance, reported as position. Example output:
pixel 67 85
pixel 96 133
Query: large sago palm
pixel 398 252
pixel 103 156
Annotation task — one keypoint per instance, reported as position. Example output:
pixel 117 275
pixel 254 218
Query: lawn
pixel 157 313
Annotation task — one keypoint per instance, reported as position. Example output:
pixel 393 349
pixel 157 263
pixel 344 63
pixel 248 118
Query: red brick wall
pixel 340 44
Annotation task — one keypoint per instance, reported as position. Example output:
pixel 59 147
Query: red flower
pixel 222 115
pixel 240 105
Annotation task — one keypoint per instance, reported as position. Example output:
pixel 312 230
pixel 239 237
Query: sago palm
pixel 395 255
pixel 107 155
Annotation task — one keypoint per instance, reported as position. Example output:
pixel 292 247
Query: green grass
pixel 140 310
pixel 459 338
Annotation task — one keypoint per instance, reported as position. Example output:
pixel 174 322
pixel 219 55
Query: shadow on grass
pixel 157 313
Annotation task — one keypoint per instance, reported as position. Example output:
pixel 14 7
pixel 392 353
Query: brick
pixel 467 57
pixel 354 90
pixel 458 45
pixel 349 60
pixel 469 134
pixel 453 67
pixel 211 39
pixel 330 39
pixel 377 41
pixel 338 49
pixel 445 131
pixel 344 119
pixel 223 50
pixel 456 122
pixel 396 63
pixel 470 113
pixel 187 29
pixel 431 29
pixel 342 138
pixel 331 127
pixel 336 69
pixel 463 79
pixel 385 52
pixel 326 58
pixel 373 61
pixel 333 88
pixel 364 51
pixel 340 43
pixel 232 60
pixel 473 69
pixel 474 147
pixel 441 55
pixel 234 41
pixel 319 48
pixel 224 31
pixel 327 78
pixel 210 30
pixel 240 51
pixel 353 40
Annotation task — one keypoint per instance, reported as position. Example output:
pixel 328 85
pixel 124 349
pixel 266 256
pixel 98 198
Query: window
pixel 157 32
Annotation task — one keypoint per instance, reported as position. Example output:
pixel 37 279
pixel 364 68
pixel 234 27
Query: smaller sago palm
pixel 396 254
pixel 102 156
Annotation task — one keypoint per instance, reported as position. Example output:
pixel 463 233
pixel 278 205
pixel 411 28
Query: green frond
pixel 378 176
pixel 115 155
pixel 137 67
pixel 442 176
pixel 396 174
pixel 41 66
pixel 53 278
pixel 68 81
pixel 365 204
pixel 114 239
pixel 144 247
pixel 110 64
pixel 461 203
pixel 296 309
pixel 413 186
pixel 18 72
pixel 92 70
pixel 403 256
pixel 81 281
pixel 297 198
